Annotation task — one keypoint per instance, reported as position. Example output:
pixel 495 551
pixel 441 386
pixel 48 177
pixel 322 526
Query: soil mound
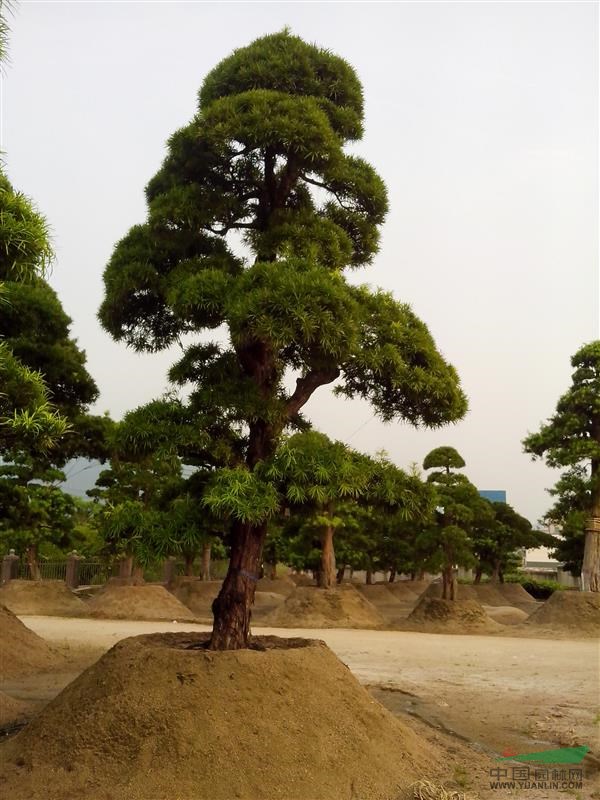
pixel 506 615
pixel 404 592
pixel 418 587
pixel 284 586
pixel 465 592
pixel 310 607
pixel 44 598
pixel 161 717
pixel 23 651
pixel 488 594
pixel 569 611
pixel 394 606
pixel 301 579
pixel 197 595
pixel 515 593
pixel 377 593
pixel 12 711
pixel 148 602
pixel 434 615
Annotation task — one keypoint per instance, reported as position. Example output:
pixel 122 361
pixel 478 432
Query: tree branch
pixel 306 385
pixel 328 188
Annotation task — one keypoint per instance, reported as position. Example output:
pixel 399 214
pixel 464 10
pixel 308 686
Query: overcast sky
pixel 482 118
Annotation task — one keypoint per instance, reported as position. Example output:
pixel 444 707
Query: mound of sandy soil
pixel 517 596
pixel 284 585
pixel 310 607
pixel 506 615
pixel 150 602
pixel 418 587
pixel 12 710
pixel 377 593
pixel 42 598
pixel 160 717
pixel 23 651
pixel 301 579
pixel 197 595
pixel 434 615
pixel 465 591
pixel 489 594
pixel 404 591
pixel 572 612
pixel 393 605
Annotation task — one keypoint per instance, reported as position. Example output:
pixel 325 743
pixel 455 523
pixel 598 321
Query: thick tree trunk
pixel 32 562
pixel 590 570
pixel 369 578
pixel 392 577
pixel 496 572
pixel 125 567
pixel 137 573
pixel 327 571
pixel 478 574
pixel 449 584
pixel 232 606
pixel 189 564
pixel 340 574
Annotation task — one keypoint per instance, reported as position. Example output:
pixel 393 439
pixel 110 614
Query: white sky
pixel 482 118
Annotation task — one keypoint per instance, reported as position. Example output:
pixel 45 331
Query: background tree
pixel 316 474
pixel 34 514
pixel 26 417
pixel 460 510
pixel 264 158
pixel 498 538
pixel 571 438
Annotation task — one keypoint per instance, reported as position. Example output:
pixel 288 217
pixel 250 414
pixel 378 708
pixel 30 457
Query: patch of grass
pixel 461 777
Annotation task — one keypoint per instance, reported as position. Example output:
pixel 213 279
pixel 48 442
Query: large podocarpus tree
pixel 571 438
pixel 264 158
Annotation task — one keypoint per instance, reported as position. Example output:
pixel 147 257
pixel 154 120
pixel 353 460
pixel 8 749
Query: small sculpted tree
pixel 264 158
pixel 571 438
pixel 460 509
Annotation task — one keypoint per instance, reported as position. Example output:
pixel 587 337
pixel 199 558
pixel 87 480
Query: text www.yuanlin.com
pixel 536 785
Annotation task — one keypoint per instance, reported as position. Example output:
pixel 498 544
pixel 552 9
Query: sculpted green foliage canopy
pixel 264 158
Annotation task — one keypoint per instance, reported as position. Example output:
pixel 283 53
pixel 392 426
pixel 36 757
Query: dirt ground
pixel 480 695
